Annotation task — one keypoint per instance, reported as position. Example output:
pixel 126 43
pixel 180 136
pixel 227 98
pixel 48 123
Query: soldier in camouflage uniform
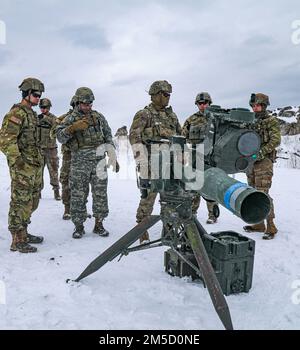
pixel 260 176
pixel 154 122
pixel 194 130
pixel 19 142
pixel 84 131
pixel 47 121
pixel 66 166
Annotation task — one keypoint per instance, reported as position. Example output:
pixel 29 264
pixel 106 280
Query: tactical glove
pixel 114 163
pixel 112 159
pixel 80 125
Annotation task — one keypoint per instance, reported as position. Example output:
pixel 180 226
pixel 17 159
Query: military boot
pixel 213 212
pixel 99 229
pixel 57 196
pixel 211 219
pixel 271 230
pixel 33 239
pixel 145 238
pixel 79 231
pixel 255 228
pixel 67 215
pixel 20 244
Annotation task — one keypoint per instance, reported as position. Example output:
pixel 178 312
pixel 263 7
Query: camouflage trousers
pixel 260 177
pixel 26 185
pixel 146 206
pixel 196 204
pixel 52 163
pixel 83 173
pixel 65 176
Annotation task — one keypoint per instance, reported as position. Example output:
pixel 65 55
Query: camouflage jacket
pixel 151 124
pixel 59 120
pixel 46 123
pixel 194 128
pixel 268 129
pixel 19 136
pixel 96 134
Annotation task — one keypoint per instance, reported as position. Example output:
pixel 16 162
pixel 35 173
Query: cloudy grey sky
pixel 118 47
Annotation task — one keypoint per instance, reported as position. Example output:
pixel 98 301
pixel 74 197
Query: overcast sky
pixel 119 47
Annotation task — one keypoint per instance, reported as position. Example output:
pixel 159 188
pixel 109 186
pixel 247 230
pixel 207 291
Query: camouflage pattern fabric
pixel 83 173
pixel 151 124
pixel 260 177
pixel 97 133
pixel 47 123
pixel 19 142
pixel 19 136
pixel 268 129
pixel 84 161
pixel 65 176
pixel 26 185
pixel 65 169
pixel 146 206
pixel 196 203
pixel 194 128
pixel 52 162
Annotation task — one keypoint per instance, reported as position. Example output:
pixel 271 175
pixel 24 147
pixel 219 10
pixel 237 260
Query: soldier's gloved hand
pixel 80 125
pixel 19 164
pixel 112 161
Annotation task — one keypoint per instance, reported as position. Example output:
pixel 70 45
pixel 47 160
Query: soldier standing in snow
pixel 19 142
pixel 260 177
pixel 154 122
pixel 48 144
pixel 84 131
pixel 66 166
pixel 194 130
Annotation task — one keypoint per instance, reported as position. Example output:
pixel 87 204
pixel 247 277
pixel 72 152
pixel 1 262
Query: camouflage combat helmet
pixel 259 98
pixel 84 95
pixel 203 97
pixel 32 84
pixel 160 85
pixel 45 103
pixel 73 101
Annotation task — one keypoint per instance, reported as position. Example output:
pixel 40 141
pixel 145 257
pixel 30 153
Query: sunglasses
pixel 165 94
pixel 203 103
pixel 36 95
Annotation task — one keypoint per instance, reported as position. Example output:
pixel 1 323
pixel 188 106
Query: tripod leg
pixel 119 246
pixel 200 228
pixel 209 275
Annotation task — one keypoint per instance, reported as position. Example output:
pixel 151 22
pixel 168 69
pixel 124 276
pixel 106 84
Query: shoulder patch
pixel 15 120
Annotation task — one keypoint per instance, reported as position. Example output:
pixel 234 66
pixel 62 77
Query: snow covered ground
pixel 136 293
